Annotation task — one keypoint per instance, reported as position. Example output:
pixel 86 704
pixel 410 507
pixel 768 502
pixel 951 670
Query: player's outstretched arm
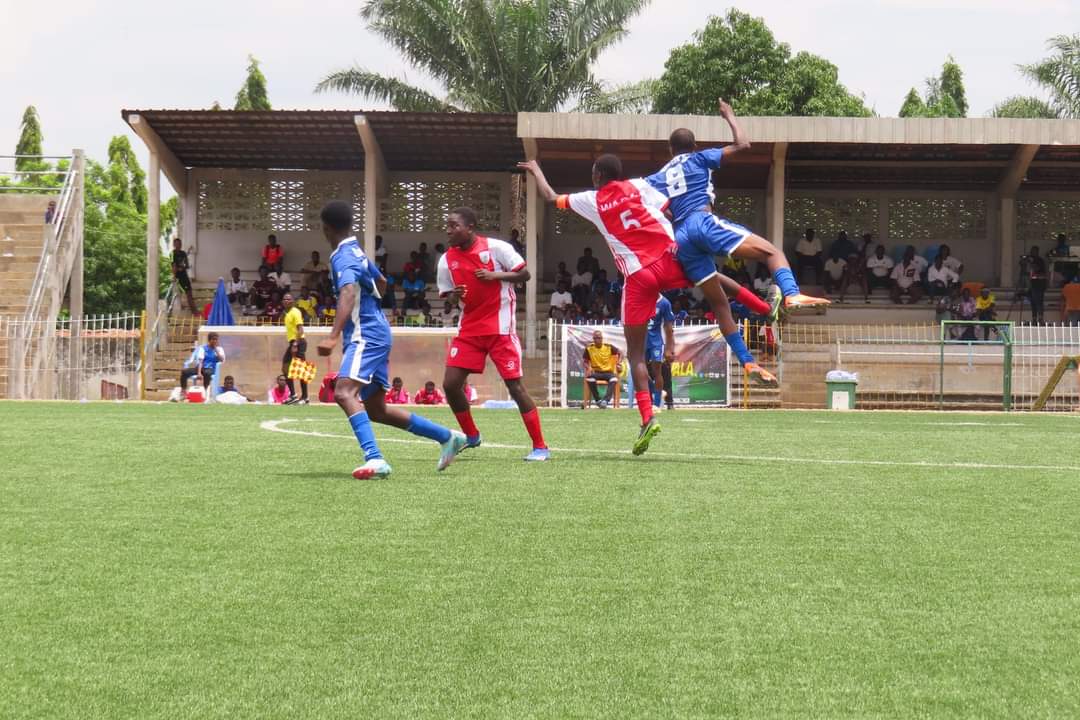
pixel 742 141
pixel 346 301
pixel 515 276
pixel 533 167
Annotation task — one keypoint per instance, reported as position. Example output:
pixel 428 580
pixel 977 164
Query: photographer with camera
pixel 1033 269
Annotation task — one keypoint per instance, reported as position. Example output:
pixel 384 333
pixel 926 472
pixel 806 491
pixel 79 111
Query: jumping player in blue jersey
pixel 361 384
pixel 686 180
pixel 660 347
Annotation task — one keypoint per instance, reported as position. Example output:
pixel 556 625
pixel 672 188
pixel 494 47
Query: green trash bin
pixel 840 395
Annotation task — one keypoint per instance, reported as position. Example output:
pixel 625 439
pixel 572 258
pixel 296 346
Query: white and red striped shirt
pixel 630 216
pixel 488 306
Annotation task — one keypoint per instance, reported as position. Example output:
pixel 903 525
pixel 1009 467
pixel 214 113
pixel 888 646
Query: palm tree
pixel 1060 74
pixel 493 55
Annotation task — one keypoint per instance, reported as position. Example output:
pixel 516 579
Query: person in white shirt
pixel 940 279
pixel 808 253
pixel 450 315
pixel 380 251
pixel 920 262
pixel 312 271
pixel 762 280
pixel 906 279
pixel 560 300
pixel 880 267
pixel 581 284
pixel 835 272
pixel 950 261
pixel 237 289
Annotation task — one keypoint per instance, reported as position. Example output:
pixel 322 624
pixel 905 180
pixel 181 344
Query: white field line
pixel 275 426
pixel 935 424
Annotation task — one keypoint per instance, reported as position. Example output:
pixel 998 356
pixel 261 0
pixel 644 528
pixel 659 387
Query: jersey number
pixel 676 181
pixel 627 221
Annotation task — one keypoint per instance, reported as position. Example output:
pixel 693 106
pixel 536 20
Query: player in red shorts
pixel 482 272
pixel 630 216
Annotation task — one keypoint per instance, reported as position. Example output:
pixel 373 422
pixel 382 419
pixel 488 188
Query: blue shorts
pixel 368 364
pixel 703 236
pixel 654 353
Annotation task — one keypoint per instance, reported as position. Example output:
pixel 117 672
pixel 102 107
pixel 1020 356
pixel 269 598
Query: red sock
pixel 468 427
pixel 644 405
pixel 752 302
pixel 532 424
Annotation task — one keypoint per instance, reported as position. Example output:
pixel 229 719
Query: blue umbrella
pixel 220 312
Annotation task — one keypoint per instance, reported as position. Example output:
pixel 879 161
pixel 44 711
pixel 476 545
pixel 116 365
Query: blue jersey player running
pixel 365 358
pixel 687 182
pixel 660 347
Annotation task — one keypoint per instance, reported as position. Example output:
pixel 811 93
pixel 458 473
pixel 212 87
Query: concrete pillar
pixel 376 181
pixel 153 233
pixel 774 196
pixel 1007 230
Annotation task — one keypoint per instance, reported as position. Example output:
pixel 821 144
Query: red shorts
pixel 470 353
pixel 643 288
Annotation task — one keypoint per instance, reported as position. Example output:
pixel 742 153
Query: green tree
pixel 30 142
pixel 491 56
pixel 1019 106
pixel 252 94
pixel 913 105
pixel 1060 74
pixel 736 57
pixel 944 96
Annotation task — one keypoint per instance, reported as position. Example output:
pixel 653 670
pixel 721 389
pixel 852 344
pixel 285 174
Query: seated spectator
pixel 380 251
pixel 203 362
pixel 236 289
pixel 855 274
pixel 599 311
pixel 307 305
pixel 835 272
pixel 865 243
pixel 920 262
pixel 762 280
pixel 561 299
pixel 1070 305
pixel 228 387
pixel 515 240
pixel 329 310
pixel 274 308
pixel 615 290
pixel 600 285
pixel 450 314
pixel 413 265
pixel 940 279
pixel 397 394
pixel 420 316
pixel 986 309
pixel 325 286
pixel 581 283
pixel 279 394
pixel 842 247
pixel 951 262
pixel 282 278
pixel 601 362
pixel 430 395
pixel 592 263
pixel 563 274
pixel 312 271
pixel 736 269
pixel 414 289
pixel 50 212
pixel 681 307
pixel 272 253
pixel 427 263
pixel 808 254
pixel 880 268
pixel 1067 270
pixel 965 309
pixel 389 298
pixel 317 311
pixel 905 279
pixel 263 288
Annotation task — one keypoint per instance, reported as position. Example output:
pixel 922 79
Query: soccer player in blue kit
pixel 660 347
pixel 687 183
pixel 361 384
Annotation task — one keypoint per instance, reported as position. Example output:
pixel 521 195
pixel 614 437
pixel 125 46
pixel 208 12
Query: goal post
pixel 976 334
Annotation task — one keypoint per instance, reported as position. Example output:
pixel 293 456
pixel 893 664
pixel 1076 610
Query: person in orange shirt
pixel 1070 310
pixel 272 253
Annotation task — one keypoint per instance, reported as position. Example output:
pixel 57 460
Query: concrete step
pixel 27 201
pixel 17 217
pixel 20 264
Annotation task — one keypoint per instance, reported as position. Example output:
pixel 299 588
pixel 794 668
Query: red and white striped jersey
pixel 488 306
pixel 630 216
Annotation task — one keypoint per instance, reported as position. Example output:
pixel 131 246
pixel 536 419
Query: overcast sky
pixel 81 61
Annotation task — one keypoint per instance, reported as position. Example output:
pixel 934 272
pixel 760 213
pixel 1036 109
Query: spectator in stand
pixel 236 289
pixel 450 314
pixel 835 272
pixel 329 311
pixel 880 269
pixel 986 306
pixel 420 316
pixel 601 362
pixel 307 305
pixel 430 395
pixel 389 298
pixel 274 308
pixel 279 393
pixel 921 263
pixel 808 253
pixel 414 264
pixel 1067 270
pixel 599 311
pixel 380 251
pixel 965 309
pixel 50 212
pixel 427 263
pixel 561 299
pixel 592 264
pixel 204 362
pixel 950 261
pixel 272 253
pixel 1070 307
pixel 581 283
pixel 263 289
pixel 324 287
pixel 940 278
pixel 762 280
pixel 297 348
pixel 228 385
pixel 282 278
pixel 397 394
pixel 563 274
pixel 905 279
pixel 614 293
pixel 414 289
pixel 312 271
pixel 1037 282
pixel 515 240
pixel 855 273
pixel 682 313
pixel 440 250
pixel 180 273
pixel 600 285
pixel 863 246
pixel 842 247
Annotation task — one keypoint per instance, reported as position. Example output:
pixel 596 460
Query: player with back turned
pixel 361 384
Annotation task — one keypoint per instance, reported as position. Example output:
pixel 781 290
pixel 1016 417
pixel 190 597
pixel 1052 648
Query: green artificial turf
pixel 163 561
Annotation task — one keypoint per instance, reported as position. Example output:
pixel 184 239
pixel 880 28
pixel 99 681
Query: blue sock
pixel 786 280
pixel 656 394
pixel 420 425
pixel 735 342
pixel 361 428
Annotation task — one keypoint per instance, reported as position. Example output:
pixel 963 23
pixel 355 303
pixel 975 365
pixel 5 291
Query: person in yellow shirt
pixel 601 363
pixel 307 305
pixel 294 334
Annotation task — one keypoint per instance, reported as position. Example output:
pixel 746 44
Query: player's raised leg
pixel 755 247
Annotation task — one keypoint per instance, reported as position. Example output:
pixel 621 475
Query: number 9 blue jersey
pixel 687 182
